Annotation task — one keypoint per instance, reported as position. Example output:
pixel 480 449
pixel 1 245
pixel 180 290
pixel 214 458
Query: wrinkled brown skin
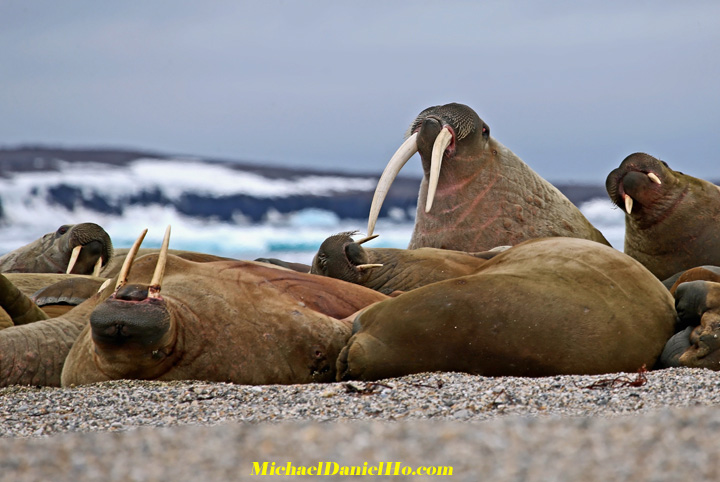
pixel 545 307
pixel 698 346
pixel 51 253
pixel 673 226
pixel 113 267
pixel 230 321
pixel 486 195
pixel 34 354
pixel 402 269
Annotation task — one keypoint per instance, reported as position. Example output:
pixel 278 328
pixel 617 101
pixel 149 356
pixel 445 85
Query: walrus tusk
pixel 397 161
pixel 125 270
pixel 653 177
pixel 98 267
pixel 628 203
pixel 105 284
pixel 367 266
pixel 366 239
pixel 442 141
pixel 154 290
pixel 73 258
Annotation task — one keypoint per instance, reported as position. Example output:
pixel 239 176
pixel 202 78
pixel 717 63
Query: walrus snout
pixel 119 322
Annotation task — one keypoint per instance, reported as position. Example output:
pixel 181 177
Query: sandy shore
pixel 558 428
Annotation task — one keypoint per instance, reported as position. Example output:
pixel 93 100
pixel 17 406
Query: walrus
pixel 235 321
pixel 672 220
pixel 231 321
pixel 389 270
pixel 698 344
pixel 551 306
pixel 484 195
pixel 83 248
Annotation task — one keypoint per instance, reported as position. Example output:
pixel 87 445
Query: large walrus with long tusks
pixel 83 248
pixel 672 220
pixel 549 306
pixel 476 194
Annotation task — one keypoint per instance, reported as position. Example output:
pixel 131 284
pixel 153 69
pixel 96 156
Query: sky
pixel 572 87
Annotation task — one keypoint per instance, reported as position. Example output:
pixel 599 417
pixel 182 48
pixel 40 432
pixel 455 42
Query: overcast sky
pixel 571 87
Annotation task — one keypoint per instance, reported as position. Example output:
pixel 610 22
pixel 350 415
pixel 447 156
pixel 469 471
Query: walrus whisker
pixel 98 267
pixel 154 290
pixel 442 141
pixel 366 239
pixel 628 203
pixel 73 258
pixel 653 177
pixel 368 266
pixel 125 270
pixel 397 161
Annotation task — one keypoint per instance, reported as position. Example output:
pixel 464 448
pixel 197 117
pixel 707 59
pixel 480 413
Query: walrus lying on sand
pixel 235 321
pixel 484 195
pixel 388 270
pixel 672 220
pixel 545 307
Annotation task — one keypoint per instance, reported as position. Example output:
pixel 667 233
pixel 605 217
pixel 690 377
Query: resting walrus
pixel 484 195
pixel 672 220
pixel 237 321
pixel 389 270
pixel 546 307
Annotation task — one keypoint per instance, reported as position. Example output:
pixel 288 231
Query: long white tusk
pixel 125 270
pixel 653 177
pixel 154 290
pixel 73 258
pixel 442 141
pixel 628 203
pixel 368 266
pixel 105 284
pixel 98 267
pixel 397 161
pixel 366 239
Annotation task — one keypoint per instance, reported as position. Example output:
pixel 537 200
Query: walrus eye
pixel 62 230
pixel 485 131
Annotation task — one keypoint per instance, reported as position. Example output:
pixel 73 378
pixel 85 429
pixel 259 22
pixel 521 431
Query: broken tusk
pixel 105 284
pixel 628 204
pixel 442 141
pixel 366 239
pixel 154 290
pixel 653 177
pixel 125 270
pixel 73 258
pixel 368 266
pixel 397 161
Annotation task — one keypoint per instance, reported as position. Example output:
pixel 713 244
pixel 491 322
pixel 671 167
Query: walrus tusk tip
pixel 125 269
pixel 362 267
pixel 628 203
pixel 367 238
pixel 156 282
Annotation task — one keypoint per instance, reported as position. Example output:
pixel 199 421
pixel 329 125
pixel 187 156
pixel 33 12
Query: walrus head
pixel 645 187
pixel 440 134
pixel 343 258
pixel 133 330
pixel 73 248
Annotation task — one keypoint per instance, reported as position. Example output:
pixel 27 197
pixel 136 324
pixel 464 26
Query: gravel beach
pixel 607 427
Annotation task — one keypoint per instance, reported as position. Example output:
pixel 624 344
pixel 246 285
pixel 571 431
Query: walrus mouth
pixel 628 200
pixel 91 246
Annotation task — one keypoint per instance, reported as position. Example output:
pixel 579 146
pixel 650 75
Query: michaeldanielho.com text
pixel 333 468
